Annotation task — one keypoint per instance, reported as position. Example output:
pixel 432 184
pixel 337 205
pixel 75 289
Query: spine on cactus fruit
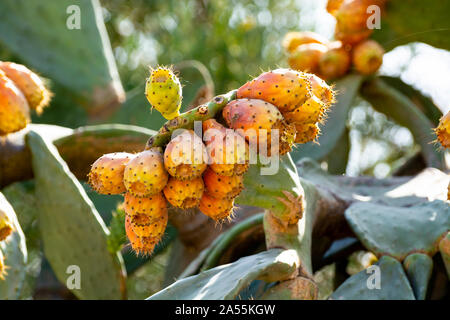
pixel 14 108
pixel 106 174
pixel 228 152
pixel 368 57
pixel 257 120
pixel 185 157
pixel 145 175
pixel 222 187
pixel 186 120
pixel 443 131
pixel 294 39
pixel 284 88
pixel 33 88
pixel 163 91
pixel 184 194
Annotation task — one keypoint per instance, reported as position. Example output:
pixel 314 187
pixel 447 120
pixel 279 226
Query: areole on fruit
pixel 184 194
pixel 225 187
pixel 145 174
pixel 185 157
pixel 257 121
pixel 106 174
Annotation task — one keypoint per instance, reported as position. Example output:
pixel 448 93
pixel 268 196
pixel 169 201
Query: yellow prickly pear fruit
pixel 14 109
pixel 227 150
pixel 306 132
pixel 216 209
pixel 29 83
pixel 443 131
pixel 311 111
pixel 2 266
pixel 368 57
pixel 219 186
pixel 184 194
pixel 322 90
pixel 6 226
pixel 145 174
pixel 140 245
pixel 294 39
pixel 163 91
pixel 306 57
pixel 185 157
pixel 106 175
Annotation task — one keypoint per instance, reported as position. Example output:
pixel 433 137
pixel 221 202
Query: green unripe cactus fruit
pixel 163 91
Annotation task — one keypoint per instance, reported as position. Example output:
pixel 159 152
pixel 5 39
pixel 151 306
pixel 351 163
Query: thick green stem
pixel 186 120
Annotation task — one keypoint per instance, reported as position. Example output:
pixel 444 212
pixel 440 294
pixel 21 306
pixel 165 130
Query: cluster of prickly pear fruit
pixel 20 90
pixel 268 116
pixel 310 52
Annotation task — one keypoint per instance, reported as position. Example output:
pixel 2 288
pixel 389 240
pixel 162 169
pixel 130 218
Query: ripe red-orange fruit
pixel 311 111
pixel 306 132
pixel 306 57
pixel 443 131
pixel 227 151
pixel 106 175
pixel 217 209
pixel 294 39
pixel 14 109
pixel 333 6
pixel 219 186
pixel 368 57
pixel 351 37
pixel 284 88
pixel 184 194
pixel 140 245
pixel 256 120
pixel 145 174
pixel 144 205
pixel 185 157
pixel 29 83
pixel 335 62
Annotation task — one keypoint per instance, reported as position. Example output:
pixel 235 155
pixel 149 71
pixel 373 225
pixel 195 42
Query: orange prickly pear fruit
pixel 443 131
pixel 306 57
pixel 145 174
pixel 163 91
pixel 256 120
pixel 228 152
pixel 284 88
pixel 368 57
pixel 218 186
pixel 140 245
pixel 148 216
pixel 294 39
pixel 333 6
pixel 311 111
pixel 335 62
pixel 184 194
pixel 216 209
pixel 14 109
pixel 351 37
pixel 106 175
pixel 306 132
pixel 33 88
pixel 185 157
pixel 322 90
pixel 6 226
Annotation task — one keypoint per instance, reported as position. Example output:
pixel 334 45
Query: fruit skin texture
pixel 163 91
pixel 335 62
pixel 294 39
pixel 219 187
pixel 312 111
pixel 306 132
pixel 255 119
pixel 106 175
pixel 322 90
pixel 306 57
pixel 140 245
pixel 227 151
pixel 216 209
pixel 368 57
pixel 145 174
pixel 34 90
pixel 184 194
pixel 443 131
pixel 14 109
pixel 284 88
pixel 148 216
pixel 185 157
